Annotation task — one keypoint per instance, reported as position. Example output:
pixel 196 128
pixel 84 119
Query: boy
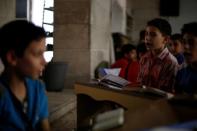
pixel 186 80
pixel 158 66
pixel 177 47
pixel 128 63
pixel 23 102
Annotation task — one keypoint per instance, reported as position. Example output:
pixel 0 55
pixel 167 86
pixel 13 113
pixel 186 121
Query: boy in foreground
pixel 23 100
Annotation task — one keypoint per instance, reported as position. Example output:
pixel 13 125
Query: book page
pixel 114 80
pixel 114 71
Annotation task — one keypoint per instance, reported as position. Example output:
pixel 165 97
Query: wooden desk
pixel 126 98
pixel 93 99
pixel 141 110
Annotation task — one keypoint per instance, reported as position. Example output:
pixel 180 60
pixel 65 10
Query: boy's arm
pixel 168 77
pixel 44 125
pixel 44 114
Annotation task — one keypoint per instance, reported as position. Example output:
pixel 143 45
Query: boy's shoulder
pixel 34 81
pixel 37 84
pixel 188 69
pixel 171 59
pixel 186 73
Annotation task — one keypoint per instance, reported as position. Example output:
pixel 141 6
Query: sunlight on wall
pixel 39 15
pixel 37 12
pixel 48 55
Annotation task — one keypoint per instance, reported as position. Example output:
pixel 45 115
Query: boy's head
pixel 17 36
pixel 157 34
pixel 22 47
pixel 129 52
pixel 176 44
pixel 189 32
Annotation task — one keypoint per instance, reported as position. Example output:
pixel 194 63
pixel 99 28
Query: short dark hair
pixel 17 36
pixel 162 24
pixel 127 48
pixel 177 36
pixel 190 28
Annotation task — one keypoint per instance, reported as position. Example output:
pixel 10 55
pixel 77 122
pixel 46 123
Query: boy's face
pixel 176 46
pixel 190 48
pixel 132 55
pixel 154 39
pixel 32 63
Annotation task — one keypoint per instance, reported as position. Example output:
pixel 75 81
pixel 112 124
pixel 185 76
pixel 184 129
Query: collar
pixel 163 54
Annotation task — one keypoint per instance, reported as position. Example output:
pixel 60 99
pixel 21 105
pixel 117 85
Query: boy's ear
pixel 167 39
pixel 11 58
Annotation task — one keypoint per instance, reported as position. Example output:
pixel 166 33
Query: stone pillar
pixel 101 41
pixel 72 38
pixel 82 36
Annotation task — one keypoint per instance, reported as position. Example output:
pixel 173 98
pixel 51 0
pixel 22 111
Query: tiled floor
pixel 62 109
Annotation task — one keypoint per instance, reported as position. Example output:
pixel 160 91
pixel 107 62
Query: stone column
pixel 72 38
pixel 82 36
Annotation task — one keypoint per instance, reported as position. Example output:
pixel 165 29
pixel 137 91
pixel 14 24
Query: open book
pixel 113 81
pixel 106 71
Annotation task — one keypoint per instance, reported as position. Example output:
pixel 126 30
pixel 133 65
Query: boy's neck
pixel 156 52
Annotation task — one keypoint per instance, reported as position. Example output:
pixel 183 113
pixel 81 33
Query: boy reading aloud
pixel 158 66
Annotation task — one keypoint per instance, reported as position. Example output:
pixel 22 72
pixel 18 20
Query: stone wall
pixel 141 12
pixel 72 38
pixel 82 36
pixel 7 11
pixel 100 43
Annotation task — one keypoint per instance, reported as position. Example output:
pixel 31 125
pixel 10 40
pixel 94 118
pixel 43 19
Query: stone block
pixel 72 12
pixel 78 60
pixel 72 36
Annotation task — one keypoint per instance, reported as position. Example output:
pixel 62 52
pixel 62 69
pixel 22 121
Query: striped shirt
pixel 158 72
